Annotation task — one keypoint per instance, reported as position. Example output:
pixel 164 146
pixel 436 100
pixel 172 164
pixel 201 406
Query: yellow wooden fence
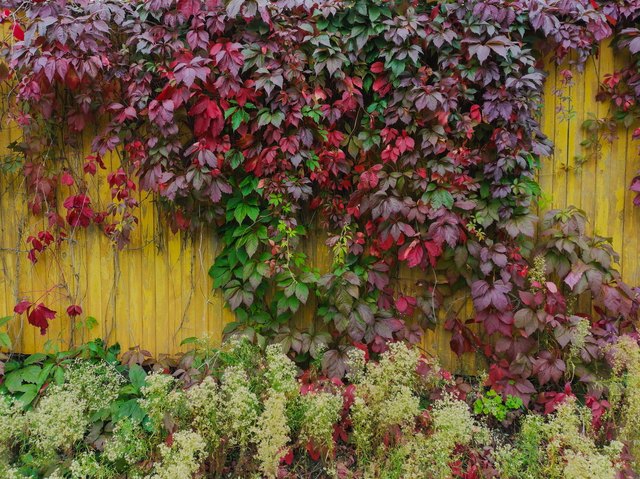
pixel 156 292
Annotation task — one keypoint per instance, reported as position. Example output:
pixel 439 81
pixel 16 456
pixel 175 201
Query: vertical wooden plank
pixel 631 218
pixel 545 174
pixel 601 213
pixel 560 156
pixel 575 116
pixel 122 270
pixel 163 335
pixel 618 176
pixel 134 255
pixel 8 246
pixel 197 308
pixel 149 319
pixel 188 321
pixel 588 198
pixel 610 177
pixel 174 287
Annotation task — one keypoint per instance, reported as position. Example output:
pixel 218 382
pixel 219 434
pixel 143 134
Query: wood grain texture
pixel 156 292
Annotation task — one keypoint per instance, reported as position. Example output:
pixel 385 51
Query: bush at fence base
pixel 236 412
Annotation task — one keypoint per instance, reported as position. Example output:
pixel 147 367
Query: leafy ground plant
pixel 236 412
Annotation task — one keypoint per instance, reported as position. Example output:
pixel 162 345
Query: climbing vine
pixel 407 130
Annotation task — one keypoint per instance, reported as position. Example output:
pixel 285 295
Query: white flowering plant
pixel 239 411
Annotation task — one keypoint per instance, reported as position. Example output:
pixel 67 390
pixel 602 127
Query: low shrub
pixel 238 411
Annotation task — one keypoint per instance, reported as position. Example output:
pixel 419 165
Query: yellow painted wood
pixel 156 291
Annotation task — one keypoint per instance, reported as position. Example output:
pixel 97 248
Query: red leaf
pixel 377 67
pixel 412 253
pixel 313 453
pixel 40 316
pixel 21 307
pixel 476 114
pixel 381 86
pixel 189 7
pixel 363 347
pixel 18 32
pixel 66 179
pixel 288 457
pixel 74 310
pixel 434 250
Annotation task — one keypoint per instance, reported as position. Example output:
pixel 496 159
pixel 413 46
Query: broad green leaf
pixel 29 395
pixel 252 245
pixel 240 213
pixel 230 327
pixel 302 292
pixel 30 374
pixel 58 375
pixel 34 358
pixel 137 376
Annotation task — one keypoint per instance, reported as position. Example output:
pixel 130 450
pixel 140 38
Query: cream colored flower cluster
pixel 161 400
pixel 205 410
pixel 98 383
pixel 385 398
pixel 241 407
pixel 182 459
pixel 626 356
pixel 321 412
pixel 431 455
pixel 58 422
pixel 570 451
pixel 127 442
pixel 12 427
pixel 271 433
pixel 562 447
pixel 86 465
pixel 281 372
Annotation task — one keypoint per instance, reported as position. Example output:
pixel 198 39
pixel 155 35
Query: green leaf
pixel 90 323
pixel 251 245
pixel 235 158
pixel 58 375
pixel 5 341
pixel 130 409
pixel 13 380
pixel 484 190
pixel 137 376
pixel 230 327
pixel 374 13
pixel 302 292
pixel 34 358
pixel 441 198
pixel 5 320
pixel 264 119
pixel 252 212
pixel 44 374
pixel 30 374
pixel 277 118
pixel 190 340
pixel 230 111
pixel 238 118
pixel 240 213
pixel 28 395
